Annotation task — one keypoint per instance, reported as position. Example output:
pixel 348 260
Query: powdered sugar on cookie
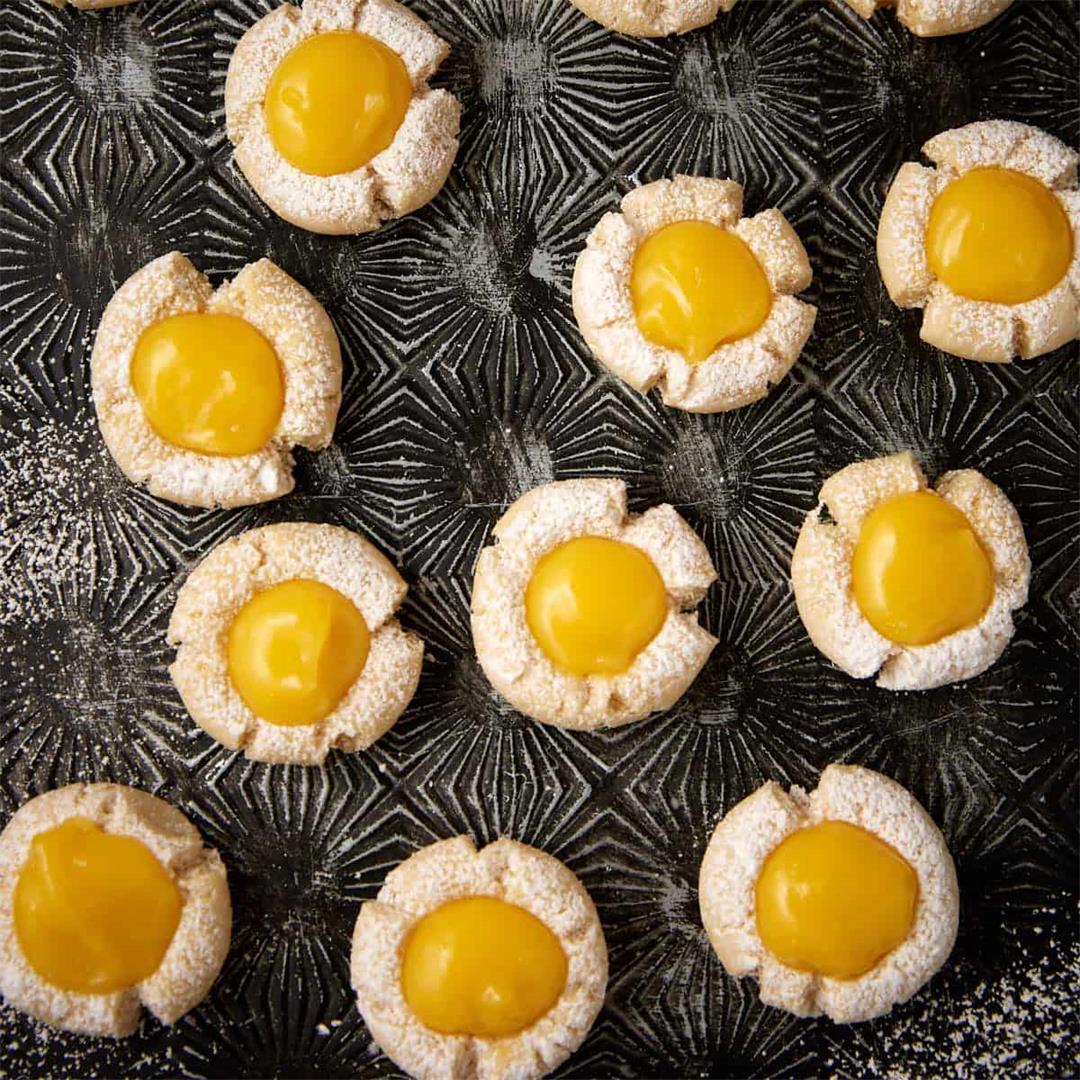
pixel 821 575
pixel 750 831
pixel 509 654
pixel 291 320
pixel 736 373
pixel 653 18
pixel 451 870
pixel 230 576
pixel 399 179
pixel 198 947
pixel 976 329
pixel 936 18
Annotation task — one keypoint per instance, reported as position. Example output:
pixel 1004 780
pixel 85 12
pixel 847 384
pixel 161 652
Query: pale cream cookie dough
pixel 988 530
pixel 346 713
pixel 553 978
pixel 936 18
pixel 599 679
pixel 194 953
pixel 89 5
pixel 345 197
pixel 653 18
pixel 760 352
pixel 298 344
pixel 1021 187
pixel 735 908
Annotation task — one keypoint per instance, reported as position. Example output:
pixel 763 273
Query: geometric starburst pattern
pixel 466 383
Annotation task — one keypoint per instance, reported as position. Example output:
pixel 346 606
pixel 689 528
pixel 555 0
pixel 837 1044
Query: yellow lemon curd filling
pixel 482 967
pixel 696 287
pixel 998 235
pixel 335 101
pixel 208 383
pixel 919 571
pixel 94 912
pixel 834 899
pixel 593 604
pixel 295 649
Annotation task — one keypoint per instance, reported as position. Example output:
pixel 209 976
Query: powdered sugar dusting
pixel 973 329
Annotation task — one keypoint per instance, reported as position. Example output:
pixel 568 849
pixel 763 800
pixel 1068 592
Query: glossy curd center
pixel 835 899
pixel 295 649
pixel 919 571
pixel 998 235
pixel 482 967
pixel 94 912
pixel 208 383
pixel 593 604
pixel 335 101
pixel 696 287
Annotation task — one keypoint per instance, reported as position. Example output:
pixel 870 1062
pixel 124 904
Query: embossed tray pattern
pixel 467 383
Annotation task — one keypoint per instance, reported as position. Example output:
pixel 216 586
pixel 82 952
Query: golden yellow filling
pixel 696 287
pixel 94 912
pixel 481 967
pixel 295 649
pixel 208 383
pixel 919 571
pixel 335 101
pixel 998 235
pixel 593 604
pixel 835 899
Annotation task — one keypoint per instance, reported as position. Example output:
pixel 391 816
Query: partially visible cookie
pixel 287 645
pixel 582 613
pixel 679 291
pixel 476 964
pixel 936 18
pixel 843 901
pixel 987 241
pixel 914 585
pixel 653 18
pixel 89 5
pixel 83 866
pixel 201 394
pixel 333 120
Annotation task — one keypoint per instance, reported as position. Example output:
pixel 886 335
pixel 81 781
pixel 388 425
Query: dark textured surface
pixel 467 384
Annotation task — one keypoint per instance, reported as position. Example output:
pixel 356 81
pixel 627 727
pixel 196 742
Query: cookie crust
pixel 246 564
pixel 510 656
pixel 936 18
pixel 287 315
pixel 400 179
pixel 735 374
pixel 450 870
pixel 821 575
pixel 752 829
pixel 89 5
pixel 978 329
pixel 653 18
pixel 197 950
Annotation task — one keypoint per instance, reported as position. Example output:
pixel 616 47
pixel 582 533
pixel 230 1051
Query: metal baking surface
pixel 468 383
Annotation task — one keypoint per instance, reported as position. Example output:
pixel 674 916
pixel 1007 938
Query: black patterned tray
pixel 467 383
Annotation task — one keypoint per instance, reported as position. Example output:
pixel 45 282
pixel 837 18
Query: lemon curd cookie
pixel 287 643
pixel 843 901
pixel 479 964
pixel 582 614
pixel 915 585
pixel 330 112
pixel 653 18
pixel 201 395
pixel 680 291
pixel 987 241
pixel 936 18
pixel 89 5
pixel 108 902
